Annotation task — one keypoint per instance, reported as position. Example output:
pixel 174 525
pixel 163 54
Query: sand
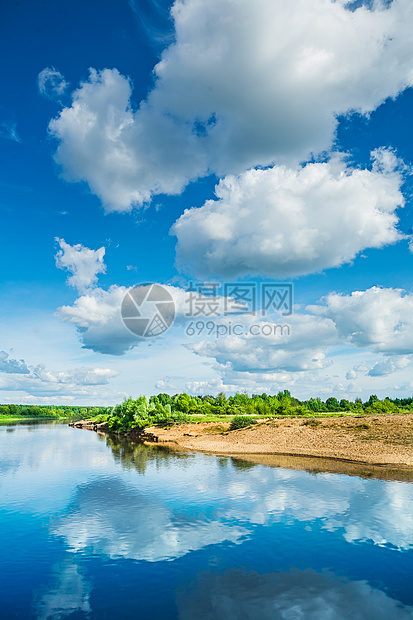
pixel 368 446
pixel 331 444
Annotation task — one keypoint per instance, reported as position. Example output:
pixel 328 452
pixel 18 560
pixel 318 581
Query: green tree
pixel 332 404
pixel 373 399
pixel 316 405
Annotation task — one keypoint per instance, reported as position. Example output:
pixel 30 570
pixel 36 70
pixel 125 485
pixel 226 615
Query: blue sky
pixel 255 142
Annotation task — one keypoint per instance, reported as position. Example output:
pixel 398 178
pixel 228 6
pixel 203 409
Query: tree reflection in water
pixel 134 454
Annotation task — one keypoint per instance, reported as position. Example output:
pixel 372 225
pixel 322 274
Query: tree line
pixel 166 409
pixel 47 411
pixel 163 409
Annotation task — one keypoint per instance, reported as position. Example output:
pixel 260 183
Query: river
pixel 94 527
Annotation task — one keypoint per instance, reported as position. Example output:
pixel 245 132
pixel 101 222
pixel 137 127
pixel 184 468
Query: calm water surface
pixel 97 528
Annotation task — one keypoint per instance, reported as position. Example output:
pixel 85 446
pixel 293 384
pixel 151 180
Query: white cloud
pixel 355 372
pixel 378 318
pixel 351 375
pixel 84 264
pixel 77 376
pixel 51 83
pixel 378 321
pixel 39 382
pixel 267 353
pixel 170 384
pixel 123 158
pixel 285 222
pixel 231 381
pixel 301 348
pixel 9 131
pixel 388 366
pixel 97 317
pixel 244 84
pixel 12 366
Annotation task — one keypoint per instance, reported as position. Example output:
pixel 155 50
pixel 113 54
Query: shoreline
pixel 318 465
pixel 371 446
pixel 377 442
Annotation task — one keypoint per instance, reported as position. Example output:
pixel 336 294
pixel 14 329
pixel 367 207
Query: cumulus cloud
pixel 355 372
pixel 97 317
pixel 388 366
pixel 123 160
pixel 302 347
pixel 244 84
pixel 84 264
pixel 285 222
pixel 378 318
pixel 264 352
pixel 12 366
pixel 351 374
pixel 51 83
pixel 77 376
pixel 39 381
pixel 231 381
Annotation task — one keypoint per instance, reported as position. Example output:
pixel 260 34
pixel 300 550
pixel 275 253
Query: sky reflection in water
pixel 100 528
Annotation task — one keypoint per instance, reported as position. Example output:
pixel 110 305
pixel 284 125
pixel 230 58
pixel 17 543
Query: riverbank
pixel 372 440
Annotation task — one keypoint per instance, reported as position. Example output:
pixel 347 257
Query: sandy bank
pixel 367 440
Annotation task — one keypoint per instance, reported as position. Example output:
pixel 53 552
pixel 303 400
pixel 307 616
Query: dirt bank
pixel 380 440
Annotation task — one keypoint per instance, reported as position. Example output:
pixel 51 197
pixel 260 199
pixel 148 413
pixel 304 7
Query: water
pixel 96 528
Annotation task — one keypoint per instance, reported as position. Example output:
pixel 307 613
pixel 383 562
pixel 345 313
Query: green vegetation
pixel 16 412
pixel 140 413
pixel 313 422
pixel 240 409
pixel 241 421
pixel 362 427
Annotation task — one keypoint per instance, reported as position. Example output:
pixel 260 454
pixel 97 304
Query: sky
pixel 254 159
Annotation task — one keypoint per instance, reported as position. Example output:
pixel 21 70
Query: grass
pixel 30 419
pixel 313 422
pixel 199 418
pixel 240 421
pixel 216 430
